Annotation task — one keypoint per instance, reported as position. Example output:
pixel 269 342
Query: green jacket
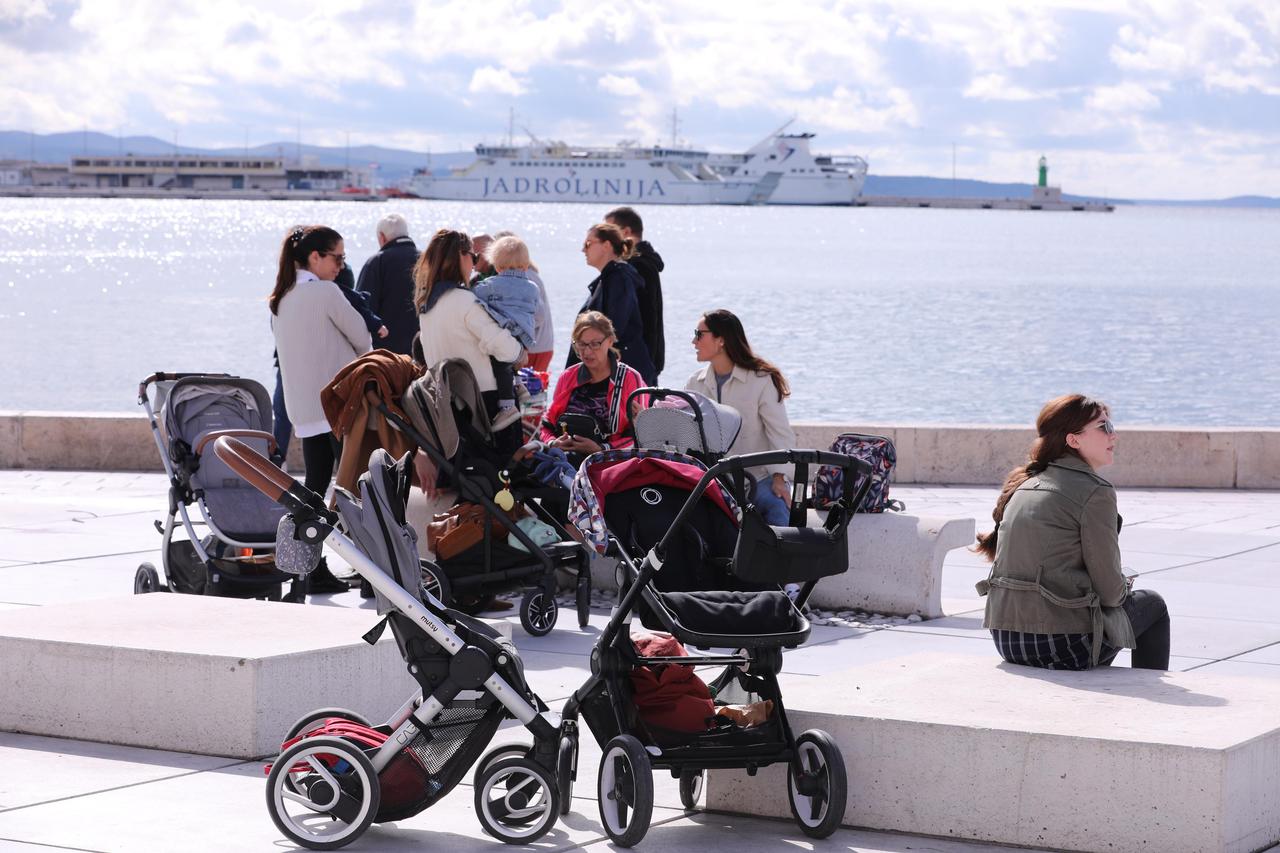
pixel 1057 566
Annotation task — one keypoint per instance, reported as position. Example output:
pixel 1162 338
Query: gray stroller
pixel 237 556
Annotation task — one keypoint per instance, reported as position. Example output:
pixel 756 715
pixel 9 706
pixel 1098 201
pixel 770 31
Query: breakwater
pixel 967 454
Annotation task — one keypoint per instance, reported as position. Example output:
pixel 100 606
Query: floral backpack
pixel 875 450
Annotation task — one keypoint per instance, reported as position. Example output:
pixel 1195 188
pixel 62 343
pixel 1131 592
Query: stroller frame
pixel 760 655
pixel 471 675
pixel 180 497
pixel 538 610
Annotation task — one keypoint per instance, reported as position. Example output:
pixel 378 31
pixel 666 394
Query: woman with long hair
pixel 1056 595
pixel 615 293
pixel 317 333
pixel 736 376
pixel 454 323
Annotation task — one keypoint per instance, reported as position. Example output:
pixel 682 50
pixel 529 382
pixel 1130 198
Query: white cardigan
pixel 317 334
pixel 458 326
pixel 765 425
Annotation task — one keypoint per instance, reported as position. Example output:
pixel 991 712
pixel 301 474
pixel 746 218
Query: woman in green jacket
pixel 1056 595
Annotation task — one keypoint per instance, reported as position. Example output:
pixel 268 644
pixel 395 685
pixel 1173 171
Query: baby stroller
pixel 685 422
pixel 236 559
pixel 447 420
pixel 693 564
pixel 337 774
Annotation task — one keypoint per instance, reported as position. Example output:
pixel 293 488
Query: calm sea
pixel 946 316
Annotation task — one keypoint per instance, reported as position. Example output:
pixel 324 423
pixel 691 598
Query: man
pixel 387 278
pixel 483 269
pixel 649 264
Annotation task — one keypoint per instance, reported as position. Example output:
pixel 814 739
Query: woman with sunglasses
pixel 317 333
pixel 598 388
pixel 615 293
pixel 453 322
pixel 1056 596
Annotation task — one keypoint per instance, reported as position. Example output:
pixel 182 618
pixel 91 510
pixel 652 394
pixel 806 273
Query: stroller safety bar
pixel 239 433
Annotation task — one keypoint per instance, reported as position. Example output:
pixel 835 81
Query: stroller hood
pixel 430 403
pixel 616 470
pixel 670 423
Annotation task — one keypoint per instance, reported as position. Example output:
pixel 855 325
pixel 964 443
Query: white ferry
pixel 779 170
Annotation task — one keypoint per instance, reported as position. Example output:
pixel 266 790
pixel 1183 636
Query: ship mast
pixel 675 125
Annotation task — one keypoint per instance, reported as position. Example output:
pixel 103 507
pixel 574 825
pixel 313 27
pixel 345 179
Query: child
pixel 511 298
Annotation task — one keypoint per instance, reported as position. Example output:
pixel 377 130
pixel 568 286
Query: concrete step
pixel 1111 759
pixel 212 676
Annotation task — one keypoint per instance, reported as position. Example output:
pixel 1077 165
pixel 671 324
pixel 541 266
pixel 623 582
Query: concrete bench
pixel 213 676
pixel 895 564
pixel 1111 759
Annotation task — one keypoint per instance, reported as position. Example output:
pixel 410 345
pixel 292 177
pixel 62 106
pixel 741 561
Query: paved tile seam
pixel 1237 655
pixel 155 550
pixel 54 846
pixel 137 784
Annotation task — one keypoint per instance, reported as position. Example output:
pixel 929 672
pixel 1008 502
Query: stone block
pixel 1257 459
pixel 895 563
pixel 10 440
pixel 189 673
pixel 971 748
pixel 1160 458
pixel 88 441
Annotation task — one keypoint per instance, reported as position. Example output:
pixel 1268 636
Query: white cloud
pixel 498 81
pixel 996 87
pixel 1124 98
pixel 624 87
pixel 849 110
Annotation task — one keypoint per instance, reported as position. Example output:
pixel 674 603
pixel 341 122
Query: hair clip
pixel 296 235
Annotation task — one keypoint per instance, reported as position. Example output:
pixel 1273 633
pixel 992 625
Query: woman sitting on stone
pixel 1056 595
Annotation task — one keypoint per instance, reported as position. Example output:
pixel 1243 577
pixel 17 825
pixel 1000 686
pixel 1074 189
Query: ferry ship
pixel 781 169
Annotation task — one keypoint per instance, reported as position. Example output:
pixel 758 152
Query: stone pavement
pixel 70 536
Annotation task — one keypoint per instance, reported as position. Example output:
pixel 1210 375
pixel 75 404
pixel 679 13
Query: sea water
pixel 874 314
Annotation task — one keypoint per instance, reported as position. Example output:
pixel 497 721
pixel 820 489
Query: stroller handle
pixel 259 472
pixel 654 393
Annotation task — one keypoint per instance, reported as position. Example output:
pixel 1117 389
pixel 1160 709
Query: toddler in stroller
pixel 337 774
pixel 189 412
pixel 693 564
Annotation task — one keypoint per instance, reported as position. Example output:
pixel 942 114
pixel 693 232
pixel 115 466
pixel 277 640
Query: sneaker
pixel 522 396
pixel 505 418
pixel 322 580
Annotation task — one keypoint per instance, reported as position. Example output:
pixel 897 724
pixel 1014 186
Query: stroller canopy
pixel 615 470
pixel 672 424
pixel 431 400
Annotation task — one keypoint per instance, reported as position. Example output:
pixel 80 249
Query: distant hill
pixel 396 165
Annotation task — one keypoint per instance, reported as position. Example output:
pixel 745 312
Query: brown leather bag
pixel 461 527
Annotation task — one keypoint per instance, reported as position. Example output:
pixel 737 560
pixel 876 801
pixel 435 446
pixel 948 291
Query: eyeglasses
pixel 698 333
pixel 342 259
pixel 589 346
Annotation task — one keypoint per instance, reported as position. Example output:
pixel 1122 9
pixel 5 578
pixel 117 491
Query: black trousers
pixel 1150 620
pixel 319 457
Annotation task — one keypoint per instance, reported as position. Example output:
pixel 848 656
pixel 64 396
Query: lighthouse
pixel 1042 192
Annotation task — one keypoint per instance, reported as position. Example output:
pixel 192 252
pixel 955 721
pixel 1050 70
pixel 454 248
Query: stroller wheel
pixel 538 612
pixel 436 582
pixel 566 770
pixel 498 753
pixel 817 784
pixel 516 800
pixel 626 790
pixel 308 721
pixel 322 793
pixel 147 579
pixel 691 787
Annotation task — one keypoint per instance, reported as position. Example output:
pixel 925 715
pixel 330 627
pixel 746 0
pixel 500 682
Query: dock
pixel 983 203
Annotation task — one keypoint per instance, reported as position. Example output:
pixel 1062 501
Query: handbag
pixel 461 527
pixel 579 425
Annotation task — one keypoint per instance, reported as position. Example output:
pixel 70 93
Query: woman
pixel 615 294
pixel 1057 597
pixel 737 377
pixel 598 387
pixel 453 322
pixel 317 333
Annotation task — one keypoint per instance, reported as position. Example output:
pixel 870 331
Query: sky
pixel 1126 99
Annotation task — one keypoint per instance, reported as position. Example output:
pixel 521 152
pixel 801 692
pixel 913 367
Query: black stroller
pixel 693 564
pixel 337 774
pixel 236 558
pixel 447 420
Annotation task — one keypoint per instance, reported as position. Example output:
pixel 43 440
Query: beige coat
pixel 765 425
pixel 1057 566
pixel 458 326
pixel 317 333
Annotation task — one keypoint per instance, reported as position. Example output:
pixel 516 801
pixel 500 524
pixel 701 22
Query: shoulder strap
pixel 615 397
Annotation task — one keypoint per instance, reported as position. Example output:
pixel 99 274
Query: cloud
pixel 624 87
pixel 498 81
pixel 1124 98
pixel 995 87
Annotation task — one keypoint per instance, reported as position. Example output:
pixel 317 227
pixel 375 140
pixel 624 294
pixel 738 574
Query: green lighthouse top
pixel 1044 171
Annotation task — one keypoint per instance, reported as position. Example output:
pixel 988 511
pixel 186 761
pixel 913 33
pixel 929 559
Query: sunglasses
pixel 698 333
pixel 475 256
pixel 342 259
pixel 1106 426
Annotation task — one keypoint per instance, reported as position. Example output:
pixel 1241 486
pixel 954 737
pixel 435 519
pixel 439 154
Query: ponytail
pixel 297 247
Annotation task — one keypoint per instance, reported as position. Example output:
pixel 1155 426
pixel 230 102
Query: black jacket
pixel 649 264
pixel 614 293
pixel 388 279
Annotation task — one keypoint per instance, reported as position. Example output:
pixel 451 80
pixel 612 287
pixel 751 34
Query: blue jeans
pixel 774 509
pixel 281 427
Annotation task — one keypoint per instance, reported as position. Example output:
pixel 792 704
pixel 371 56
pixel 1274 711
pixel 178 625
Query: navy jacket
pixel 649 264
pixel 615 293
pixel 387 278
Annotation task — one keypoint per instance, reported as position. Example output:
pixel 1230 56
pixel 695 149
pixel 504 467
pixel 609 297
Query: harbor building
pixel 203 172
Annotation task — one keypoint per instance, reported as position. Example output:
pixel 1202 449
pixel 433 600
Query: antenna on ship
pixel 675 125
pixel 511 126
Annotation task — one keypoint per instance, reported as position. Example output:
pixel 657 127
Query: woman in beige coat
pixel 1056 595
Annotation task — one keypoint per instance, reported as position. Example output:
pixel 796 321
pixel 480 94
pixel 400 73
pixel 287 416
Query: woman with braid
pixel 1056 595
